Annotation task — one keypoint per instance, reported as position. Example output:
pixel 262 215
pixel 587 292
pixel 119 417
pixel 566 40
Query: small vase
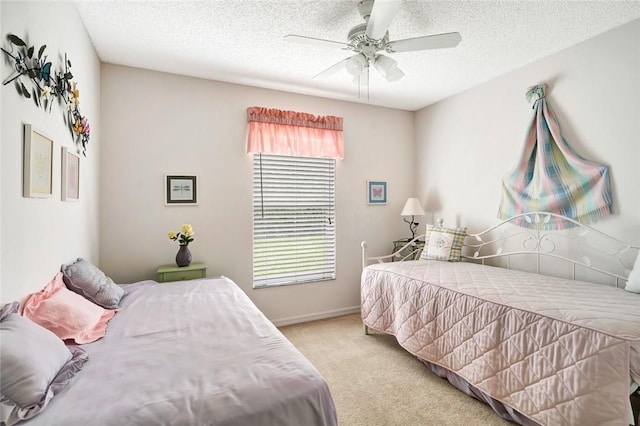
pixel 183 258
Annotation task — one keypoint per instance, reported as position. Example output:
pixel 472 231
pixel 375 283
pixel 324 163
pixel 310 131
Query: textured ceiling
pixel 241 41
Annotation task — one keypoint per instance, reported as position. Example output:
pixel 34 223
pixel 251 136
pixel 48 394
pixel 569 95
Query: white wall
pixel 38 235
pixel 145 124
pixel 466 143
pixel 1 139
pixel 156 124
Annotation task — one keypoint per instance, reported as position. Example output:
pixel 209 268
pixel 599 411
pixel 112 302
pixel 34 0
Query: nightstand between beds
pixel 167 273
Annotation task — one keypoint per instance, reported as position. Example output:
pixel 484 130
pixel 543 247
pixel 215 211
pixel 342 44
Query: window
pixel 294 170
pixel 293 220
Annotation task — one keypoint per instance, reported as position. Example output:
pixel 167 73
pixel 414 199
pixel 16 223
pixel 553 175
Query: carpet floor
pixel 375 382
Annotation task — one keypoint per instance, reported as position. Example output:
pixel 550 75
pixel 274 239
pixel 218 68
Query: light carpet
pixel 375 382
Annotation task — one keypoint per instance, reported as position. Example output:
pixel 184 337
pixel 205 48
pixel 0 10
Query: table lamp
pixel 412 208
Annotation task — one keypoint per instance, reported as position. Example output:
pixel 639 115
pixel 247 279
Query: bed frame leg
pixel 366 330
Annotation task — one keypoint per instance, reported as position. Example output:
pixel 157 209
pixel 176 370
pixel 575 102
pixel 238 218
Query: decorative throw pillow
pixel 84 278
pixel 36 365
pixel 443 243
pixel 67 314
pixel 633 282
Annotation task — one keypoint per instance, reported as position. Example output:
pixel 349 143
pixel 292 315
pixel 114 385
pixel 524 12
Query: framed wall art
pixel 181 190
pixel 37 180
pixel 70 176
pixel 376 192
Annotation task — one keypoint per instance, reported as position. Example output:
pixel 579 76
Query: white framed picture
pixel 70 176
pixel 37 180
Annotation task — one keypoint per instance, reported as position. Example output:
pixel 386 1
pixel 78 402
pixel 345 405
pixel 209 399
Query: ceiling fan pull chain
pixel 368 80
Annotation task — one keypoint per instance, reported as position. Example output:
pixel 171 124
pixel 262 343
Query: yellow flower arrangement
pixel 184 236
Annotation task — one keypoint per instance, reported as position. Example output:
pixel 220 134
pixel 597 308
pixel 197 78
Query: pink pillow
pixel 67 314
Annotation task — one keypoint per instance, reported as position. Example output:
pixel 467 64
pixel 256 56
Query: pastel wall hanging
pixel 552 177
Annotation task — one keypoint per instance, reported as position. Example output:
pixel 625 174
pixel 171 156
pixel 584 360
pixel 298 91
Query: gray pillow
pixel 84 278
pixel 36 365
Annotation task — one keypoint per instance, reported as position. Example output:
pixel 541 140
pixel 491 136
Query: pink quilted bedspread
pixel 559 351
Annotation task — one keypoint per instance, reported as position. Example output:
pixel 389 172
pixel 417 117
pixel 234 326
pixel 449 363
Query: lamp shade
pixel 388 68
pixel 412 208
pixel 356 64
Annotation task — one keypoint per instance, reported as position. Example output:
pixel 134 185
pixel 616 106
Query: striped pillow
pixel 443 243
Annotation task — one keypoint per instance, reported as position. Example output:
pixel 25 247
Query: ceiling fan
pixel 371 38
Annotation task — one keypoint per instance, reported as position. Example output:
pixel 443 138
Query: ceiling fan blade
pixel 333 69
pixel 316 41
pixel 382 14
pixel 438 41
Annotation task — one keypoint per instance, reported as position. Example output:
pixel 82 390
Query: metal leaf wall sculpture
pixel 47 85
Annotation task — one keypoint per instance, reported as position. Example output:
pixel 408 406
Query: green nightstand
pixel 194 271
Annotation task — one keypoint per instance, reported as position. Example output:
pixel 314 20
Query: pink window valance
pixel 273 131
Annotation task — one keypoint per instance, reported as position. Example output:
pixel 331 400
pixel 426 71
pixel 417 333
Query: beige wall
pixel 146 124
pixel 1 139
pixel 156 124
pixel 38 235
pixel 466 143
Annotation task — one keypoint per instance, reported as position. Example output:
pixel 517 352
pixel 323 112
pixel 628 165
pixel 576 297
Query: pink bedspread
pixel 559 351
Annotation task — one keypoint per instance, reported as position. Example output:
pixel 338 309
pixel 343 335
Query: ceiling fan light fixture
pixel 356 64
pixel 395 74
pixel 388 68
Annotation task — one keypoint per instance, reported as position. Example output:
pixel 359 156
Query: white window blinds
pixel 293 219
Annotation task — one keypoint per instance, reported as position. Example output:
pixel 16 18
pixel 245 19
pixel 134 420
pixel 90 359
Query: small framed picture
pixel 181 190
pixel 376 192
pixel 70 176
pixel 37 179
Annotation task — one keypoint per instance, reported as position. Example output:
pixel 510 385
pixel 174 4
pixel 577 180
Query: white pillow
pixel 633 283
pixel 36 365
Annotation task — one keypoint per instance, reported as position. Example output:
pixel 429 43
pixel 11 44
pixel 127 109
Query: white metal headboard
pixel 578 245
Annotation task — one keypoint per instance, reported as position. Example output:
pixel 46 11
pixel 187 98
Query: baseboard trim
pixel 316 316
